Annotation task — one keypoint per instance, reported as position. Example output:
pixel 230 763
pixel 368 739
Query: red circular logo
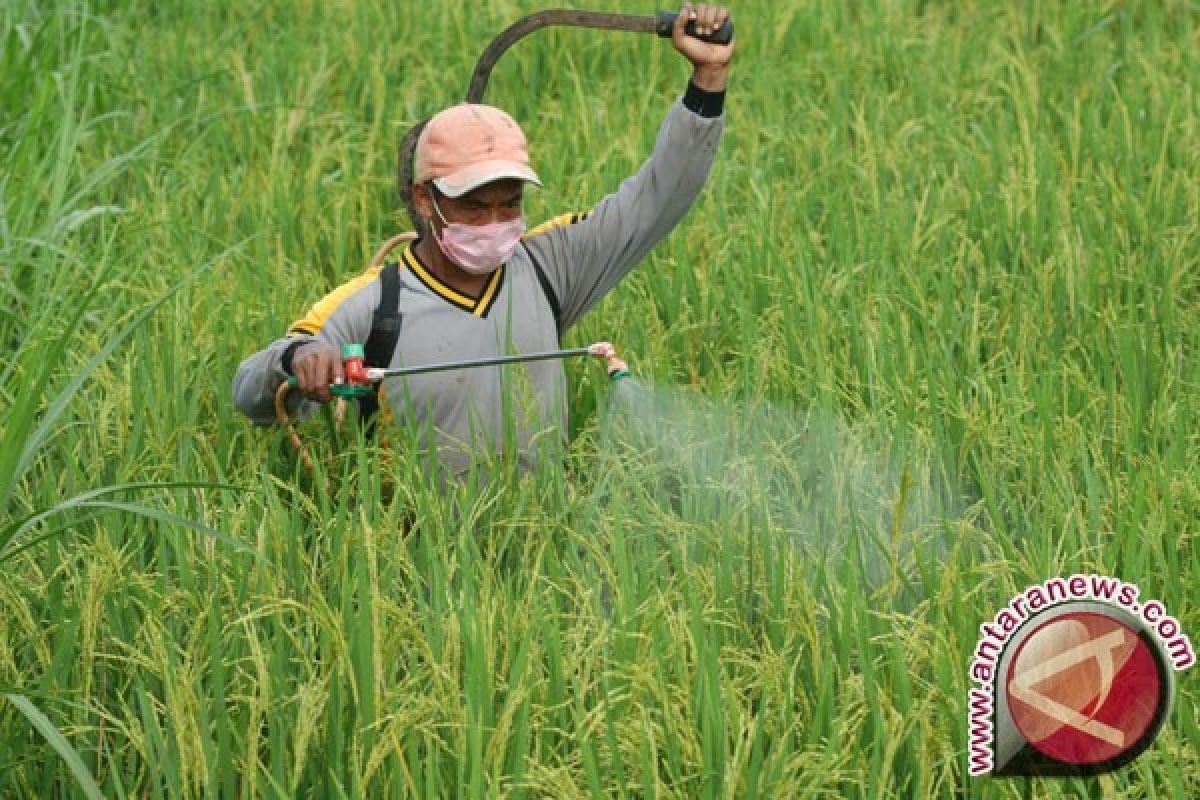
pixel 1084 688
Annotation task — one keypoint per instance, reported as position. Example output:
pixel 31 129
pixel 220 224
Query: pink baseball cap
pixel 468 145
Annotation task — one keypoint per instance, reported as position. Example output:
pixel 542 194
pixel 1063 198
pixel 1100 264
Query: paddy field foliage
pixel 931 335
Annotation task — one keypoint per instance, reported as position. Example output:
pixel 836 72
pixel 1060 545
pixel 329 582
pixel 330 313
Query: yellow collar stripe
pixel 479 307
pixel 489 294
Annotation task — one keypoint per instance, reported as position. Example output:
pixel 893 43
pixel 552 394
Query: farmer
pixel 480 285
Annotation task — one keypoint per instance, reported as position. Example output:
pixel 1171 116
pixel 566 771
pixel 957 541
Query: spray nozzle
pixel 616 368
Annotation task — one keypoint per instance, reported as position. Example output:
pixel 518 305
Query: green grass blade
pixel 56 740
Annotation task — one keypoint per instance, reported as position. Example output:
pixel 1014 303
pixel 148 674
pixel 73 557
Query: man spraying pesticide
pixel 477 290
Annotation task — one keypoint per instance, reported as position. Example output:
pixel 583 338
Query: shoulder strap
pixel 385 333
pixel 548 290
pixel 385 324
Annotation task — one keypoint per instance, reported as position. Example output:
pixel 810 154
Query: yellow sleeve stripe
pixel 312 322
pixel 556 222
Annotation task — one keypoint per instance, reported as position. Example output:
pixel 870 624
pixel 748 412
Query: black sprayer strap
pixel 385 333
pixel 548 290
pixel 387 320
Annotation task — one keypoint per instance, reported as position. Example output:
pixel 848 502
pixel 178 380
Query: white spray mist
pixel 833 491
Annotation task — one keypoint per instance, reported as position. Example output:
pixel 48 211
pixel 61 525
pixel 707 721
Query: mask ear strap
pixel 433 197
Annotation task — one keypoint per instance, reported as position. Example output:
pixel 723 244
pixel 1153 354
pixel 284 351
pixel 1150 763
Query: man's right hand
pixel 316 365
pixel 710 62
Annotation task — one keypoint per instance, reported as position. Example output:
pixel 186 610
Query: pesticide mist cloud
pixel 830 490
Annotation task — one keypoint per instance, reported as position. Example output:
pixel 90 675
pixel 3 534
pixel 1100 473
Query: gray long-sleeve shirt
pixel 582 258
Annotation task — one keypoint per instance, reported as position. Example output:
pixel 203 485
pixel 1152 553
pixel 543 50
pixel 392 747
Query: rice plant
pixel 929 336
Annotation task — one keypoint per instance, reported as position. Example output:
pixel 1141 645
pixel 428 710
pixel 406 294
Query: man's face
pixel 499 201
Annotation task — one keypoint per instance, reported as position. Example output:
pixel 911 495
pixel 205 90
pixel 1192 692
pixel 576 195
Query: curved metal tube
pixel 404 174
pixel 568 18
pixel 659 24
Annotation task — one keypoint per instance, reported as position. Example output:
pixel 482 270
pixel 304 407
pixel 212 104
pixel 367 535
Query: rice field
pixel 931 335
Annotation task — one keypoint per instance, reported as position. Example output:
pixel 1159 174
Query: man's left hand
pixel 710 62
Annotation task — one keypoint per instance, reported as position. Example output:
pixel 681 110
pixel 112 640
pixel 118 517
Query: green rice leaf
pixel 60 744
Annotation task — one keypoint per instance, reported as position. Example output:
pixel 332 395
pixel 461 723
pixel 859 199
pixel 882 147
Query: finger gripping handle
pixel 665 23
pixel 345 390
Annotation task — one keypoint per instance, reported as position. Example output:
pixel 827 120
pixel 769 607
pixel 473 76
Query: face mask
pixel 478 249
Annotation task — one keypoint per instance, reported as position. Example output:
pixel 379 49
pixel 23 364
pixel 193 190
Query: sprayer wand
pixel 360 379
pixel 616 367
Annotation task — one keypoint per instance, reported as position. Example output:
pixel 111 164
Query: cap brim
pixel 470 178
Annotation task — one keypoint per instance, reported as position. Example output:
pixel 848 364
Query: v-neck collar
pixel 478 306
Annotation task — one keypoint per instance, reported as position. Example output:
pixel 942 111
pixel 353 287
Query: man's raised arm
pixel 584 260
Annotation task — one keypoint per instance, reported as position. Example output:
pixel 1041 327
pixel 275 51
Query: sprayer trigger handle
pixel 344 390
pixel 665 23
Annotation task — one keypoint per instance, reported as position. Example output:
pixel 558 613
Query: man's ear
pixel 422 202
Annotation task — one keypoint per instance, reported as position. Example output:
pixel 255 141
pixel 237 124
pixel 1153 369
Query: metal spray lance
pixel 360 378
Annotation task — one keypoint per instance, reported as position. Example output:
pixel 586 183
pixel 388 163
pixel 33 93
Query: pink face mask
pixel 478 249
